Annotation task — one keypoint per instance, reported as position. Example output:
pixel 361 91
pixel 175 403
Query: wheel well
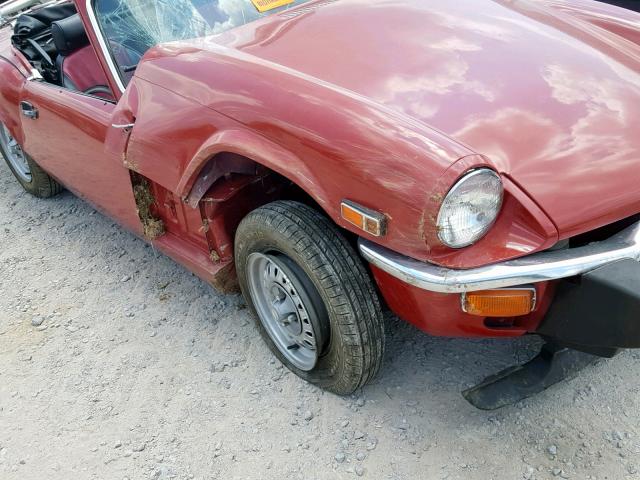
pixel 225 165
pixel 217 182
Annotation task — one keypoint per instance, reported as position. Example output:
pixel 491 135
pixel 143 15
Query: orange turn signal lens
pixel 372 222
pixel 508 302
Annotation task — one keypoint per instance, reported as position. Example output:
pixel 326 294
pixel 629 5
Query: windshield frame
pixel 106 51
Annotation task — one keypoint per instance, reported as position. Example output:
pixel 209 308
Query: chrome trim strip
pixel 103 46
pixel 538 267
pixel 124 126
pixel 35 76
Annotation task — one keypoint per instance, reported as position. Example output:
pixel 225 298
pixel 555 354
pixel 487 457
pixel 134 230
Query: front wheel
pixel 32 178
pixel 315 303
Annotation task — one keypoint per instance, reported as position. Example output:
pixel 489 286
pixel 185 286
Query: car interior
pixel 54 40
pixel 53 37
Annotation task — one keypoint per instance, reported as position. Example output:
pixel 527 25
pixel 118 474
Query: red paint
pixel 68 140
pixel 384 104
pixel 440 314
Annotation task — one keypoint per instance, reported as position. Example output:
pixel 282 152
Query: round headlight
pixel 470 208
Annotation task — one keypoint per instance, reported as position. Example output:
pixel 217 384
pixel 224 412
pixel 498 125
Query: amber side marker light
pixel 372 222
pixel 506 302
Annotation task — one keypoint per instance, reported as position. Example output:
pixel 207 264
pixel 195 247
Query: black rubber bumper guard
pixel 593 316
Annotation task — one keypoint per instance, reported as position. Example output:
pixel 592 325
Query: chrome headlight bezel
pixel 456 231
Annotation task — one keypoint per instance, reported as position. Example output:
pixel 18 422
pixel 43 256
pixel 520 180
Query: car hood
pixel 548 91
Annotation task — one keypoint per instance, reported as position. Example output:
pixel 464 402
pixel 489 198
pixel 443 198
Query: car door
pixel 65 132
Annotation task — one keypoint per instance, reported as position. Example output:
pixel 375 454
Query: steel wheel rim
pixel 282 311
pixel 14 155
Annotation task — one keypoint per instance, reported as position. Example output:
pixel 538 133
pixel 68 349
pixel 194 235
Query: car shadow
pixel 433 371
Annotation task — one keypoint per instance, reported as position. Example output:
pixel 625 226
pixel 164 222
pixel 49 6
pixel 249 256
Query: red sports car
pixel 472 165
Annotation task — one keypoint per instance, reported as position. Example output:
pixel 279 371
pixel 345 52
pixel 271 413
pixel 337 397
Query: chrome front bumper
pixel 538 267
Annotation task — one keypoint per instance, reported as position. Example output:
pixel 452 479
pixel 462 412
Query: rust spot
pixel 226 280
pixel 152 226
pixel 421 231
pixel 437 198
pixel 131 165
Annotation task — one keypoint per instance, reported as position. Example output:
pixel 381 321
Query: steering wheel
pixel 99 89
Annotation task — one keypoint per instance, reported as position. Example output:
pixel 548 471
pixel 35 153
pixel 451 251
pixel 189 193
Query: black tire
pixel 354 347
pixel 41 184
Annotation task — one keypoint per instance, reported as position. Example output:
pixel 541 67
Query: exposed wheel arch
pixel 221 172
pixel 224 164
pixel 240 151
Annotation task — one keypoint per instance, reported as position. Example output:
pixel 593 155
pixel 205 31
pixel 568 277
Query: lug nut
pixel 291 318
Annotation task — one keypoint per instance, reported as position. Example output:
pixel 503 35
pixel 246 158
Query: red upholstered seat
pixel 83 70
pixel 78 64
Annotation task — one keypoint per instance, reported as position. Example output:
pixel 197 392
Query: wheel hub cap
pixel 14 154
pixel 282 310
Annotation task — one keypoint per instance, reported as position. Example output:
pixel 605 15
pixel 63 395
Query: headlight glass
pixel 470 208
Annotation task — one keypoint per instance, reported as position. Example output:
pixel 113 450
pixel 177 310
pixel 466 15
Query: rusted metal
pixel 218 167
pixel 228 202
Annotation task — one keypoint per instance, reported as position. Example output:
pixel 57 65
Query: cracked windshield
pixel 131 27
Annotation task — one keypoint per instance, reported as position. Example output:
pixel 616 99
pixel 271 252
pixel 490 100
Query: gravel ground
pixel 116 363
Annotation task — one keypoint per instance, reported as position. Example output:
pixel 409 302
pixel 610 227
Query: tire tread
pixel 342 275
